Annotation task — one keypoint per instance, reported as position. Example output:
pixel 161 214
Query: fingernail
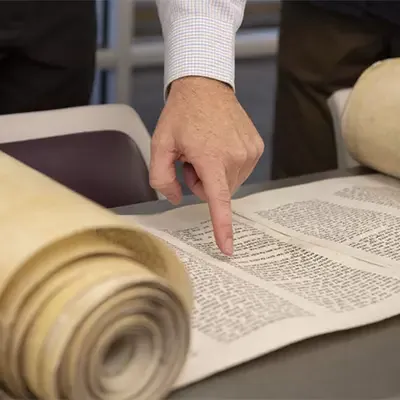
pixel 228 247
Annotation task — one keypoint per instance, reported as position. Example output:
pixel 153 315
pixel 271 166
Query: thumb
pixel 163 172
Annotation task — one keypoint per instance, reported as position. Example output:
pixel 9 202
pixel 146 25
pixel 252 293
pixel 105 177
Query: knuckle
pixel 259 146
pixel 239 155
pixel 160 141
pixel 156 143
pixel 224 192
pixel 155 180
pixel 224 199
pixel 223 195
pixel 161 183
pixel 154 183
pixel 253 152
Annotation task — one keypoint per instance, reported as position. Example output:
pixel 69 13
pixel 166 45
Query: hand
pixel 204 126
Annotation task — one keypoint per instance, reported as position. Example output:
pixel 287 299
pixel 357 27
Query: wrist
pixel 200 84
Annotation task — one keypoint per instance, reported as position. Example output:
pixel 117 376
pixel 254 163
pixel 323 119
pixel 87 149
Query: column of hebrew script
pixel 273 291
pixel 357 215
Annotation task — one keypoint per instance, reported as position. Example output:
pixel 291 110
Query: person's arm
pixel 202 124
pixel 199 37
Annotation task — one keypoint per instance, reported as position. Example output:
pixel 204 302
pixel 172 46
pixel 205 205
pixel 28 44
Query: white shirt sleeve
pixel 199 38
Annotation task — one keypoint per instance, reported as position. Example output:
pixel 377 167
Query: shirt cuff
pixel 199 47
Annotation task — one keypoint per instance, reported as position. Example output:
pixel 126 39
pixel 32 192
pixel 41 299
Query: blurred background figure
pixel 47 54
pixel 324 46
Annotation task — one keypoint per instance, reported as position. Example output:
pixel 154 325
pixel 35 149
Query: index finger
pixel 216 188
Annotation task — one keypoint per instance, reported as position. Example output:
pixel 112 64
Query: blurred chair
pixel 100 151
pixel 336 104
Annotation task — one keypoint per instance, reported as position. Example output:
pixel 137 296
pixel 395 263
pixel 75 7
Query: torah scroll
pixel 90 307
pixel 370 123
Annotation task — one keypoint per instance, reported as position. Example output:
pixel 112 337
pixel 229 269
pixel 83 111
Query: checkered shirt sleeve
pixel 199 38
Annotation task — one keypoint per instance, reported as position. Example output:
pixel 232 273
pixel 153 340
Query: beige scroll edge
pixel 370 124
pixel 90 307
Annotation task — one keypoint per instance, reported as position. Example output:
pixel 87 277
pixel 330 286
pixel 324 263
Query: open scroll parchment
pixel 91 307
pixel 308 260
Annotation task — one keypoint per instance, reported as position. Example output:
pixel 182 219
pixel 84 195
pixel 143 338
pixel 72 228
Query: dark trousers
pixel 47 54
pixel 320 52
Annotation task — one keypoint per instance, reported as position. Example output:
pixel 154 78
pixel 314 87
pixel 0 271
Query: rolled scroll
pixel 90 307
pixel 370 123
